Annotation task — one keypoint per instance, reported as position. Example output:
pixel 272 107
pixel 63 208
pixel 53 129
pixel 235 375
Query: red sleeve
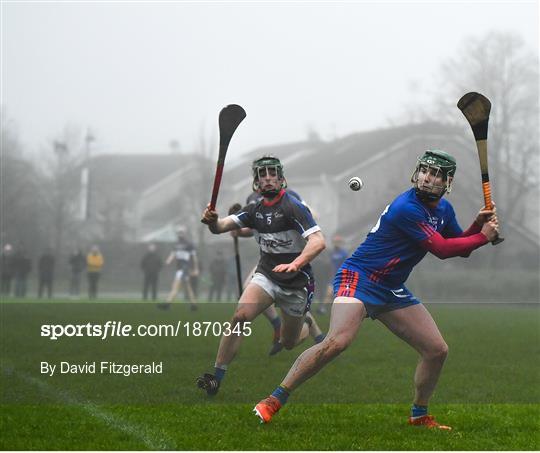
pixel 446 248
pixel 473 229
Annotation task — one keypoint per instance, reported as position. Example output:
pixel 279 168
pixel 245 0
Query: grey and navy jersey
pixel 184 251
pixel 280 228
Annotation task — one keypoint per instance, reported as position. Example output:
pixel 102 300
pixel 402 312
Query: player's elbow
pixel 440 254
pixel 320 243
pixel 245 232
pixel 437 249
pixel 444 254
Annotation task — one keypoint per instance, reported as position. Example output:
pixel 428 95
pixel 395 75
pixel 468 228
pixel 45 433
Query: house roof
pixel 133 172
pixel 303 161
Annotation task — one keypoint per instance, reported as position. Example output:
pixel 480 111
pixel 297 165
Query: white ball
pixel 355 183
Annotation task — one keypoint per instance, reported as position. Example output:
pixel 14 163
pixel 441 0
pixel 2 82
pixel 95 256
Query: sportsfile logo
pixel 120 329
pixel 109 329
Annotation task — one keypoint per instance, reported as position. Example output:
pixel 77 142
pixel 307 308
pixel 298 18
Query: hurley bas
pixel 125 369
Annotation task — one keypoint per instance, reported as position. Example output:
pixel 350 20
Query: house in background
pixel 138 198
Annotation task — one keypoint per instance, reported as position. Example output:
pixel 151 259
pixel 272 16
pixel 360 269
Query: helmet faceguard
pixel 439 164
pixel 264 166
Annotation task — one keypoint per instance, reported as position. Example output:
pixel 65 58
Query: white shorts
pixel 291 301
pixel 181 275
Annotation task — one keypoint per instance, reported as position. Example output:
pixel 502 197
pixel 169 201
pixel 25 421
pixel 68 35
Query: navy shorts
pixel 376 298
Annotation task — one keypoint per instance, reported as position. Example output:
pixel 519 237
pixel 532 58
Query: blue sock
pixel 320 337
pixel 276 322
pixel 281 394
pixel 219 373
pixel 418 411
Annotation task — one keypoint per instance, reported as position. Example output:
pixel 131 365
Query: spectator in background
pixel 46 273
pixel 231 282
pixel 6 272
pixel 151 265
pixel 337 256
pixel 94 265
pixel 22 267
pixel 184 256
pixel 194 274
pixel 77 262
pixel 217 274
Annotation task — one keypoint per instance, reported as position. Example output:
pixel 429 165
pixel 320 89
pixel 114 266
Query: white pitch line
pixel 142 433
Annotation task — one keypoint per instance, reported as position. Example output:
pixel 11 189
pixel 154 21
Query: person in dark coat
pixel 6 271
pixel 151 265
pixel 218 272
pixel 46 273
pixel 22 267
pixel 77 263
pixel 94 266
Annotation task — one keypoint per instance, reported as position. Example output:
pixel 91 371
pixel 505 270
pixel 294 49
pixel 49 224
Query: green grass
pixel 489 391
pixel 298 427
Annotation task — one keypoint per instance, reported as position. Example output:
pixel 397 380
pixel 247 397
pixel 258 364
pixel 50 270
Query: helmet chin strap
pixel 270 193
pixel 428 196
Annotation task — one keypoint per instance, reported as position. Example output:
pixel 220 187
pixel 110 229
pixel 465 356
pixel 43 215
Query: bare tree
pixel 21 185
pixel 501 67
pixel 62 168
pixel 197 193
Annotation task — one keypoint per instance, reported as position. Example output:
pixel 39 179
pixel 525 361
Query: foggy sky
pixel 142 74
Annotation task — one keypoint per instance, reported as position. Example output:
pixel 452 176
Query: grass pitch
pixel 488 391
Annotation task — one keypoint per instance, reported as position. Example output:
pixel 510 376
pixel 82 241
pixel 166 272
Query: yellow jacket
pixel 94 262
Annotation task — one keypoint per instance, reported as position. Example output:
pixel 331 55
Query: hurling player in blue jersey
pixel 289 239
pixel 371 283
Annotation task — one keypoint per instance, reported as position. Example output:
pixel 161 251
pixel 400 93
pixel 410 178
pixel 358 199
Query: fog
pixel 140 75
pixel 109 127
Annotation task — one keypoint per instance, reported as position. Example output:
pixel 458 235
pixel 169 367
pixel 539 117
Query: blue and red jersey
pixel 393 246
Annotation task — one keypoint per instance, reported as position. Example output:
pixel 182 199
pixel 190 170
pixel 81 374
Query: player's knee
pixel 334 345
pixel 443 351
pixel 239 318
pixel 438 352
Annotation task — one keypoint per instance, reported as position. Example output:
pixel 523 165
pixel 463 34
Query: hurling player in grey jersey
pixel 289 240
pixel 271 312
